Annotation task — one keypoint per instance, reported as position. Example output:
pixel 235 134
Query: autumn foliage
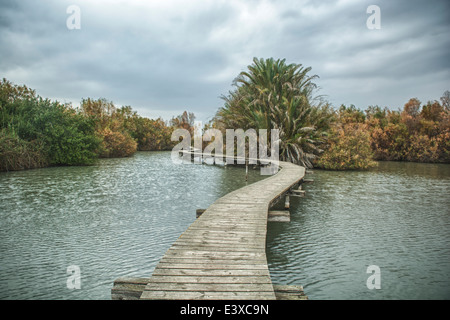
pixel 36 132
pixel 418 133
pixel 349 148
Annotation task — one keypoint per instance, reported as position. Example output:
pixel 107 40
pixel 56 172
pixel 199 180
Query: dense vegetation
pixel 37 132
pixel 122 131
pixel 419 133
pixel 271 94
pixel 276 95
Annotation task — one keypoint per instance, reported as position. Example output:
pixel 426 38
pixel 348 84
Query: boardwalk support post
pixel 279 216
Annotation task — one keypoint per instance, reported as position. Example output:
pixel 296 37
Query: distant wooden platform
pixel 222 253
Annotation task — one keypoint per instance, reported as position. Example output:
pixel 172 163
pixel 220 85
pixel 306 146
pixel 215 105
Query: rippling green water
pixel 396 217
pixel 119 217
pixel 114 219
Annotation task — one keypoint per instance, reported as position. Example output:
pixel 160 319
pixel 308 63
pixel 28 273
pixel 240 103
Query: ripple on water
pixel 113 219
pixel 396 217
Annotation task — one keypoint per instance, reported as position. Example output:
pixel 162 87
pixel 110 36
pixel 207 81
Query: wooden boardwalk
pixel 222 254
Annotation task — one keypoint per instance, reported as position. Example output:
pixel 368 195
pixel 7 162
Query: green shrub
pixel 18 154
pixel 64 136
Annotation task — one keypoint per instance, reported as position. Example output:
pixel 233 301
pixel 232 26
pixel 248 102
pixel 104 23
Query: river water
pixel 396 217
pixel 117 218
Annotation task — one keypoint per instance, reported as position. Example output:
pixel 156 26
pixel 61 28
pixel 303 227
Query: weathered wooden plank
pixel 202 295
pixel 192 254
pixel 221 235
pixel 222 247
pixel 219 262
pixel 227 226
pixel 259 221
pixel 245 241
pixel 213 257
pixel 224 233
pixel 208 279
pixel 211 287
pixel 210 272
pixel 213 232
pixel 243 246
pixel 230 225
pixel 205 266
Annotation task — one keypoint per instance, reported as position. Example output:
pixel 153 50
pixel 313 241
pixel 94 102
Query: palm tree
pixel 276 95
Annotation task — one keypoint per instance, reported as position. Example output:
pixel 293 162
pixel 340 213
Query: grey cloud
pixel 169 59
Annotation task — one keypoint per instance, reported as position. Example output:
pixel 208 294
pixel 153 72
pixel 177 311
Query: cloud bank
pixel 164 57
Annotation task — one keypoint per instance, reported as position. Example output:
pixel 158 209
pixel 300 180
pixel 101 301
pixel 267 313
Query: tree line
pixel 418 133
pixel 36 132
pixel 271 94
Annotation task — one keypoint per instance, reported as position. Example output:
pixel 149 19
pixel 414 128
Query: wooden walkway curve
pixel 222 254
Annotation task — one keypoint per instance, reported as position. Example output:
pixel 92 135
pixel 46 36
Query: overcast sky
pixel 163 57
